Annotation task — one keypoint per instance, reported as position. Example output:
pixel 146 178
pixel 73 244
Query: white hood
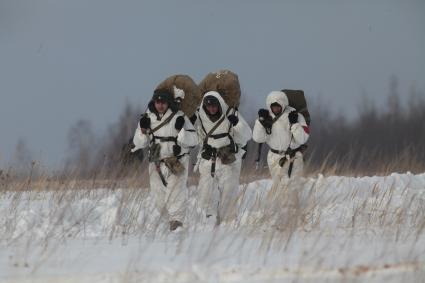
pixel 241 132
pixel 277 97
pixel 223 105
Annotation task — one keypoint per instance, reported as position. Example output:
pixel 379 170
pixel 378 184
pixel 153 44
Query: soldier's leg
pixel 209 194
pixel 228 177
pixel 177 193
pixel 158 191
pixel 298 167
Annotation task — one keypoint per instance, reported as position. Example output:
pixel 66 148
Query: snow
pixel 318 229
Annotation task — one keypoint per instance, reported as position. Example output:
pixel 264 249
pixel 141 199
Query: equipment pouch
pixel 207 152
pixel 174 165
pixel 154 152
pixel 282 161
pixel 226 155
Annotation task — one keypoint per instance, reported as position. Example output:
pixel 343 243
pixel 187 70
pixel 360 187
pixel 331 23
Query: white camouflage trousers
pixel 280 174
pixel 170 200
pixel 218 194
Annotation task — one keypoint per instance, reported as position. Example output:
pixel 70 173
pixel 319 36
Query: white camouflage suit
pixel 171 200
pixel 218 193
pixel 283 136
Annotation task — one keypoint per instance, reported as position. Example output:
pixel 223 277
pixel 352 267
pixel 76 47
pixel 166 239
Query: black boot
pixel 174 224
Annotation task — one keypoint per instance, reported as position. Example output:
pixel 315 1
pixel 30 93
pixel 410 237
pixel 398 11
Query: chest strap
pixel 165 139
pixel 220 136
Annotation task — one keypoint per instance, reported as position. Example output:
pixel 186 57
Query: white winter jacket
pixel 186 137
pixel 283 135
pixel 241 132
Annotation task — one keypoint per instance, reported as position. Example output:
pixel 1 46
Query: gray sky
pixel 61 61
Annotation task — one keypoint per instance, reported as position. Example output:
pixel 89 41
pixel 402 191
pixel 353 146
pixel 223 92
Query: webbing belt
pixel 288 153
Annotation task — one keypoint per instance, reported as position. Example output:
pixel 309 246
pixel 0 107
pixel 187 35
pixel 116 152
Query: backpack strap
pixel 268 128
pixel 166 121
pixel 277 117
pixel 210 133
pixel 166 139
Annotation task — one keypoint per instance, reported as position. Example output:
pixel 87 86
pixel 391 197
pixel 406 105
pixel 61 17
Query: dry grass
pixel 69 207
pixel 136 175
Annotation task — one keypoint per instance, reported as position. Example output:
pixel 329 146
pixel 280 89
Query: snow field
pixel 326 229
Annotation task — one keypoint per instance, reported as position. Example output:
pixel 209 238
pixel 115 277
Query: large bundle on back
pixel 224 82
pixel 189 99
pixel 296 99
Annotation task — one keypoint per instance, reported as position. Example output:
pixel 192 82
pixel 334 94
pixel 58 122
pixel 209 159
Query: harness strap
pixel 161 175
pixel 165 139
pixel 277 116
pixel 209 134
pixel 269 130
pixel 166 121
pixel 213 161
pixel 219 136
pixel 152 131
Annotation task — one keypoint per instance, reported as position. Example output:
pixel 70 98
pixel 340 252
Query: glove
pixel 267 123
pixel 263 113
pixel 177 150
pixel 145 122
pixel 207 152
pixel 130 144
pixel 293 117
pixel 179 123
pixel 233 119
pixel 128 155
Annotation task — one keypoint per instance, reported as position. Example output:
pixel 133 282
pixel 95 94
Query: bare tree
pixel 22 157
pixel 82 146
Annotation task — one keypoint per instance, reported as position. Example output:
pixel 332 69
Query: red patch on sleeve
pixel 306 129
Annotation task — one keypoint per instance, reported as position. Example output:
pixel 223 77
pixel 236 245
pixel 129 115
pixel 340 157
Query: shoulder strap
pixel 277 117
pixel 215 126
pixel 166 121
pixel 268 128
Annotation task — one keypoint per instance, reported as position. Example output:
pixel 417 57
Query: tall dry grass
pixel 316 213
pixel 315 210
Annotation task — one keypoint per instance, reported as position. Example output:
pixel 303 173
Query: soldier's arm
pixel 259 133
pixel 300 131
pixel 242 131
pixel 140 139
pixel 187 137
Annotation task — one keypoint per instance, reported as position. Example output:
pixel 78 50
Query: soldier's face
pixel 276 109
pixel 212 109
pixel 161 106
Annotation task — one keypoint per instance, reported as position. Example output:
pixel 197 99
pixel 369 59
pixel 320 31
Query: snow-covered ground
pixel 321 229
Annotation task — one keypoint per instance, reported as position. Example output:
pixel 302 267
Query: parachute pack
pixel 226 83
pixel 296 99
pixel 184 90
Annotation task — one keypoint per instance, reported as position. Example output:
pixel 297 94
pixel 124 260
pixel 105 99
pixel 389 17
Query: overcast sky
pixel 61 61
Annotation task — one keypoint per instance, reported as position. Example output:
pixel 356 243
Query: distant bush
pixel 378 141
pixel 90 155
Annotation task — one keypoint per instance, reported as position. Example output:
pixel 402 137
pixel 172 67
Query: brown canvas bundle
pixel 224 82
pixel 192 97
pixel 296 99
